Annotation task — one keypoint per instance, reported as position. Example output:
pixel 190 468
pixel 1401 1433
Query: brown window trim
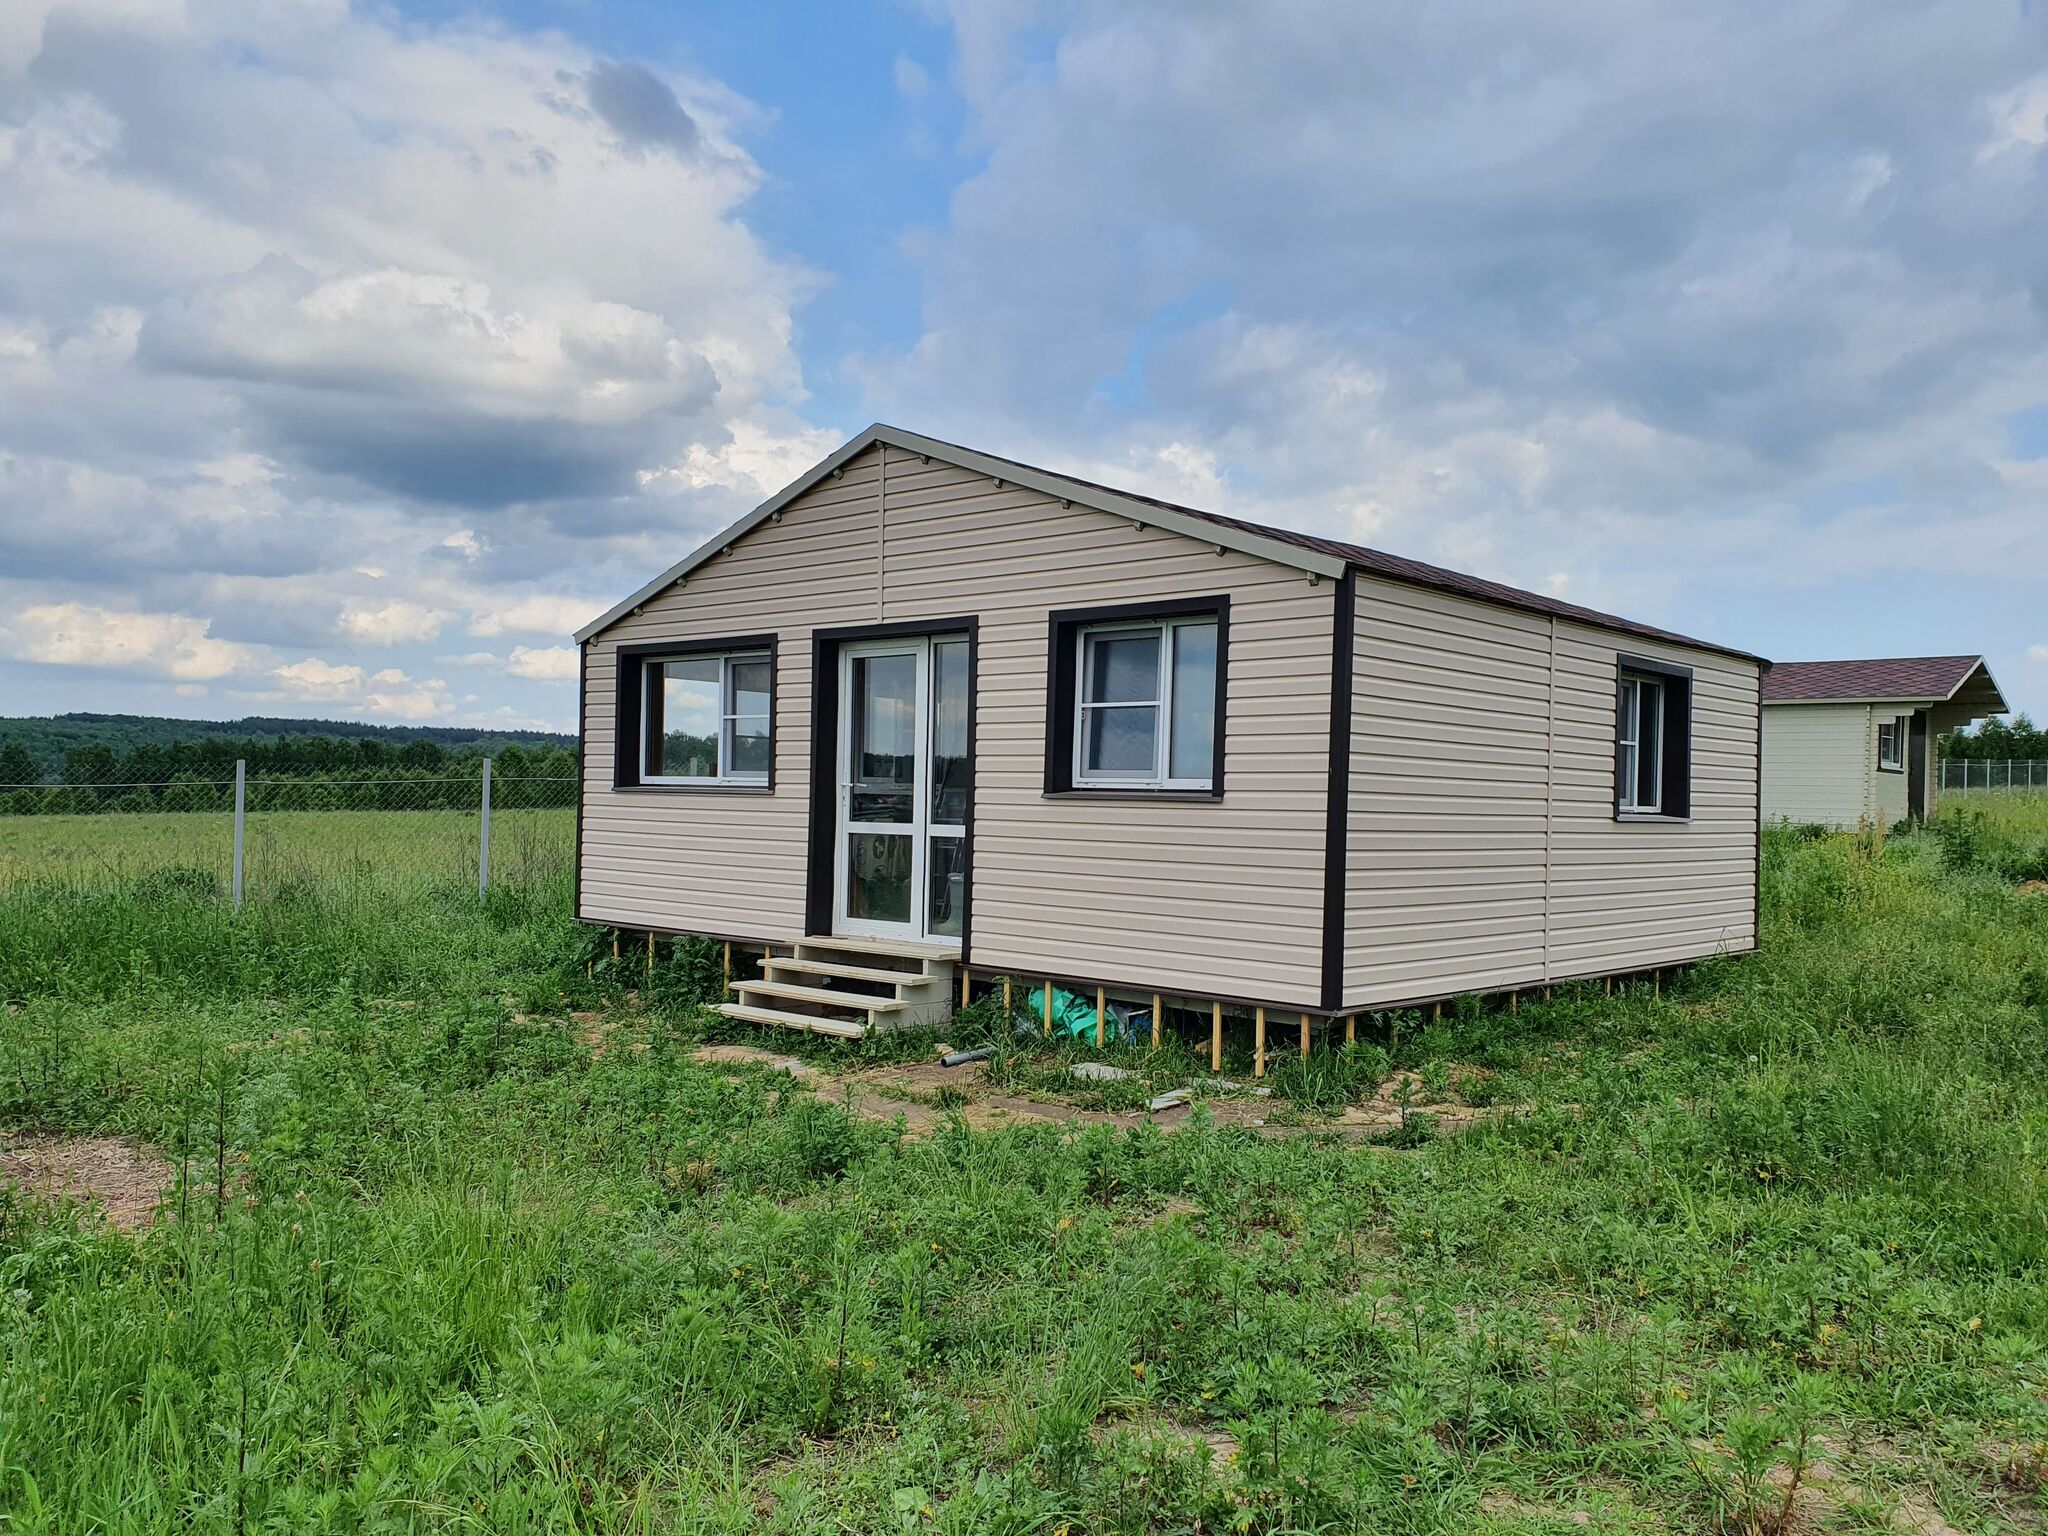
pixel 630 702
pixel 1675 751
pixel 1063 629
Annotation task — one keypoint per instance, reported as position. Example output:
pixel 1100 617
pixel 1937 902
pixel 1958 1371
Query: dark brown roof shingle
pixel 1889 677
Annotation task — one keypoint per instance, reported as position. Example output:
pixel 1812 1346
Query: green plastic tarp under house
pixel 1072 1015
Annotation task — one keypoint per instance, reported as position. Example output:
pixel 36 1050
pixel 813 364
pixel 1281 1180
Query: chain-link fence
pixel 1963 775
pixel 252 835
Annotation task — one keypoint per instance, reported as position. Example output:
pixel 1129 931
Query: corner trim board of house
pixel 582 768
pixel 1337 803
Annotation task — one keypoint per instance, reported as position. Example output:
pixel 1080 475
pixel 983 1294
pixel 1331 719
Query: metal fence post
pixel 241 786
pixel 483 850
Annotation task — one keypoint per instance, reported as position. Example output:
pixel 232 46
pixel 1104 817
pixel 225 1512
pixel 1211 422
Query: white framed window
pixel 1891 744
pixel 1145 704
pixel 707 718
pixel 1639 745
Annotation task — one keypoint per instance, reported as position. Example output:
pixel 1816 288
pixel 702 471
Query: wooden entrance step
pixel 839 985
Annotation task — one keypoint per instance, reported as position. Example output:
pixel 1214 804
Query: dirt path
pixel 926 1095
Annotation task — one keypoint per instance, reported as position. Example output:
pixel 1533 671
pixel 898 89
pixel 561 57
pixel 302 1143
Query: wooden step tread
pixel 848 972
pixel 857 1002
pixel 906 948
pixel 804 1021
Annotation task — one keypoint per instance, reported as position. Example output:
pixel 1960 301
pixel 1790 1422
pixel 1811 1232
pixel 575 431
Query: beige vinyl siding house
pixel 1848 743
pixel 946 708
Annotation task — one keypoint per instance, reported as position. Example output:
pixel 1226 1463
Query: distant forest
pixel 69 764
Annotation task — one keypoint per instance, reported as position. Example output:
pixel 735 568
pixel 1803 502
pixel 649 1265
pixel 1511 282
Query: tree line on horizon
pixel 285 773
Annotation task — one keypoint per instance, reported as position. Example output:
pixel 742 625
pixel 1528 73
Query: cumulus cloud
pixel 1540 296
pixel 170 645
pixel 522 275
pixel 753 459
pixel 540 613
pixel 393 623
pixel 349 689
pixel 551 663
pixel 640 106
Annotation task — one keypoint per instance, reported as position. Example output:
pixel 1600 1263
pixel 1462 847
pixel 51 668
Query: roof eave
pixel 1275 550
pixel 1916 700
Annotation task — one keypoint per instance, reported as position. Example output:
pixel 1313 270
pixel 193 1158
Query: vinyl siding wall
pixel 1820 764
pixel 1197 897
pixel 1482 847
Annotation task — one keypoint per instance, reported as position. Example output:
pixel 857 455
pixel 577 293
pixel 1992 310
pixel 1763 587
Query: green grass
pixel 282 849
pixel 431 1265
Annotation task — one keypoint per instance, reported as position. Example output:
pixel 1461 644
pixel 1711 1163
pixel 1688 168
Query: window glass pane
pixel 688 747
pixel 749 748
pixel 1650 740
pixel 884 748
pixel 749 688
pixel 1194 702
pixel 1627 721
pixel 948 859
pixel 878 876
pixel 1123 667
pixel 949 734
pixel 1121 743
pixel 1628 776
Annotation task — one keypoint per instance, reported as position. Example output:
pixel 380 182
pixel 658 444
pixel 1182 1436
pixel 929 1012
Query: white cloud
pixel 388 693
pixel 541 613
pixel 1548 299
pixel 521 275
pixel 393 623
pixel 2037 653
pixel 172 645
pixel 912 82
pixel 551 664
pixel 753 459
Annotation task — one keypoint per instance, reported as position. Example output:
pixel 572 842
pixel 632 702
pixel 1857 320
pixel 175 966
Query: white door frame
pixel 918 647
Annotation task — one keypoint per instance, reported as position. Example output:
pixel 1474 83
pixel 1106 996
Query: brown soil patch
pixel 754 1056
pixel 124 1181
pixel 924 1095
pixel 2034 887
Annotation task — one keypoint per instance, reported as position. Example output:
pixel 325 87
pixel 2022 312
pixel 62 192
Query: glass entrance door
pixel 903 781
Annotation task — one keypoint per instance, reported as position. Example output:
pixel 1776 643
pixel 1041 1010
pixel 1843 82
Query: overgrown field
pixel 333 849
pixel 1775 1240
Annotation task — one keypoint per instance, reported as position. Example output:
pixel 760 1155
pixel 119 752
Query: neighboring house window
pixel 1137 699
pixel 1652 740
pixel 1891 744
pixel 697 718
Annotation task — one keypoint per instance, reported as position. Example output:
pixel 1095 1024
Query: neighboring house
pixel 928 706
pixel 1852 741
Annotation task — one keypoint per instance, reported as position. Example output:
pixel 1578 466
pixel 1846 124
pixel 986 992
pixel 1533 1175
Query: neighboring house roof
pixel 1890 679
pixel 1305 551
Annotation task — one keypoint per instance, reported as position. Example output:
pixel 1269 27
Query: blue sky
pixel 351 355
